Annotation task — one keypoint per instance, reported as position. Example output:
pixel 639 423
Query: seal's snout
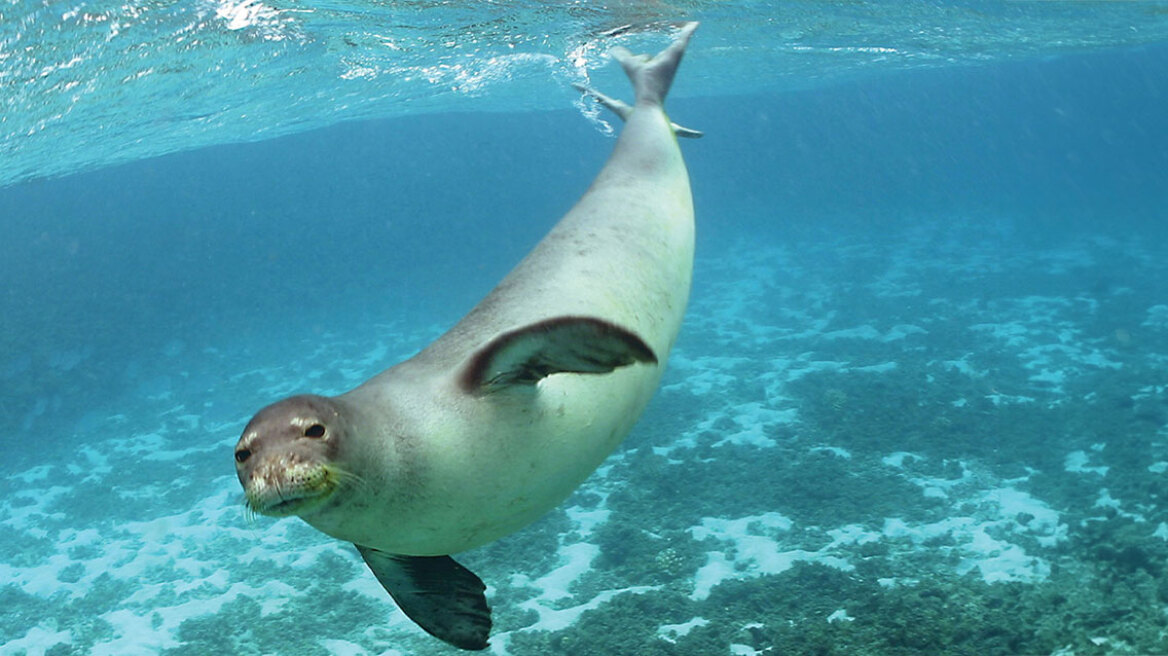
pixel 287 485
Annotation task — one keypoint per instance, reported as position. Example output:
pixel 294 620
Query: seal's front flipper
pixel 441 596
pixel 579 345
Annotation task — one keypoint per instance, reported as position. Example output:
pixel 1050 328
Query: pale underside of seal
pixel 503 416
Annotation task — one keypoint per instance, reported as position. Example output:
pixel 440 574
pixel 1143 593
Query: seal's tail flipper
pixel 623 109
pixel 651 78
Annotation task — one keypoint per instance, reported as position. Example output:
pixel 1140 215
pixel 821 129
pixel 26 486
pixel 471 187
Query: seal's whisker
pixel 249 512
pixel 348 478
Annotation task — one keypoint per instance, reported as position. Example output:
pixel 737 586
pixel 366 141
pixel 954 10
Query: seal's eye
pixel 315 430
pixel 242 455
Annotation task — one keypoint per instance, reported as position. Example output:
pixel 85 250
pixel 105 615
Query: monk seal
pixel 497 421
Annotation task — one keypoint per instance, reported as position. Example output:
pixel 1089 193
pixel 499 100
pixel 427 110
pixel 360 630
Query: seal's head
pixel 285 458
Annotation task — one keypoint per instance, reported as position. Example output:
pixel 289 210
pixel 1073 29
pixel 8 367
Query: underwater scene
pixel 919 399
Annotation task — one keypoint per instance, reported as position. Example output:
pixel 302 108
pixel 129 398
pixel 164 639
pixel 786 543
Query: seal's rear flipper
pixel 651 77
pixel 579 345
pixel 441 596
pixel 623 109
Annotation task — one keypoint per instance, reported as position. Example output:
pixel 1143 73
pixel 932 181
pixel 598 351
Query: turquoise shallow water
pixel 918 405
pixel 96 82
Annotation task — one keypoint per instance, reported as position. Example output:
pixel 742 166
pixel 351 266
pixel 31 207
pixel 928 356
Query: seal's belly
pixel 509 460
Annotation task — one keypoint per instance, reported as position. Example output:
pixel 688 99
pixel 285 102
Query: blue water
pixel 955 251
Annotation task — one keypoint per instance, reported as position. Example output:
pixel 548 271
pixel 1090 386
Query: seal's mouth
pixel 294 492
pixel 288 503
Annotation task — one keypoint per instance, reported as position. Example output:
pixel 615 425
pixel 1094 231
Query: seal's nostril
pixel 242 455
